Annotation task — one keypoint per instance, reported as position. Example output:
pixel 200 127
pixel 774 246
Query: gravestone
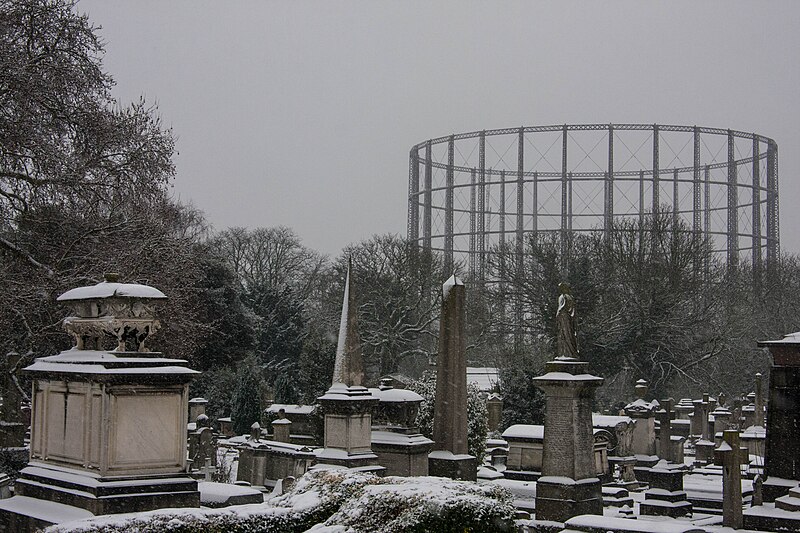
pixel 569 485
pixel 665 415
pixel 730 456
pixel 643 441
pixel 449 457
pixel 494 408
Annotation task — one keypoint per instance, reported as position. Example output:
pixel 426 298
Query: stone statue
pixel 567 320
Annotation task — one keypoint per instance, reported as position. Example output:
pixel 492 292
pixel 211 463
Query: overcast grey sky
pixel 302 113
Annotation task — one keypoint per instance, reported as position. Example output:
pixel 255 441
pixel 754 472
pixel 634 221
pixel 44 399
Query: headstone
pixel 699 418
pixel 704 447
pixel 101 415
pixel 758 498
pixel 665 415
pixel 730 456
pixel 449 457
pixel 494 407
pixel 281 428
pixel 782 461
pixel 569 485
pixel 643 441
pixel 197 407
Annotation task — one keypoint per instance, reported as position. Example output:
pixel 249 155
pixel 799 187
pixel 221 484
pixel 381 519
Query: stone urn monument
pixel 108 420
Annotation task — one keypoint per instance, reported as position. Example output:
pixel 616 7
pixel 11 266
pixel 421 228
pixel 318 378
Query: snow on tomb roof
pixel 486 378
pixel 106 289
pixel 524 431
pixel 791 338
pixel 290 409
pixel 609 421
pixel 396 395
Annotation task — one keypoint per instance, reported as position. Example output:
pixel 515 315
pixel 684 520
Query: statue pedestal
pixel 568 486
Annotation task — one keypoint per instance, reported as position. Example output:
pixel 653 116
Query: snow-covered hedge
pixel 330 501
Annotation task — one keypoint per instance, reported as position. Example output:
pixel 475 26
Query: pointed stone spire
pixel 348 368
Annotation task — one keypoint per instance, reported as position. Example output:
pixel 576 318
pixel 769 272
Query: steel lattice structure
pixel 471 191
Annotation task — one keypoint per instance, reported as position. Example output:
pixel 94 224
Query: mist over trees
pixel 85 189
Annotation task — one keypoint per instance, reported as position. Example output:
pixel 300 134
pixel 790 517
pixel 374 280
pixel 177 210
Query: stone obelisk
pixel 450 457
pixel 348 404
pixel 569 485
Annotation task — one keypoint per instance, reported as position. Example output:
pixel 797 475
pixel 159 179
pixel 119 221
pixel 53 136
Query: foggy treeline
pixel 85 189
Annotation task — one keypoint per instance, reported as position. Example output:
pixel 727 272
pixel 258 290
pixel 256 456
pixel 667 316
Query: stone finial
pixel 255 431
pixel 348 368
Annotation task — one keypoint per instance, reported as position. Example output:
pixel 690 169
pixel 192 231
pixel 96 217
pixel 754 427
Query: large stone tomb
pixel 396 440
pixel 108 429
pixel 782 456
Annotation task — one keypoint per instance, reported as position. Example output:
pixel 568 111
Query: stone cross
pixel 208 470
pixel 731 457
pixel 699 423
pixel 665 415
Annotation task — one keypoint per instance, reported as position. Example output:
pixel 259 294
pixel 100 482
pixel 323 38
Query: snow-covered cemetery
pixel 559 327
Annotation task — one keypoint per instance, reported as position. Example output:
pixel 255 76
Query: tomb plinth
pixel 348 405
pixel 108 426
pixel 450 457
pixel 569 485
pixel 782 456
pixel 396 440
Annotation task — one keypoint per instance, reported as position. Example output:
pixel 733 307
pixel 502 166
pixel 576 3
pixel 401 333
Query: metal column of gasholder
pixel 520 229
pixel 656 185
pixel 482 206
pixel 535 201
pixel 564 214
pixel 428 202
pixel 696 184
pixel 641 198
pixel 472 226
pixel 773 244
pixel 608 203
pixel 502 211
pixel 448 209
pixel 733 206
pixel 756 224
pixel 675 200
pixel 413 198
pixel 569 207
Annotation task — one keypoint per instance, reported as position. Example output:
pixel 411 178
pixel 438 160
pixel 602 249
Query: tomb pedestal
pixel 348 428
pixel 782 457
pixel 569 485
pixel 108 427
